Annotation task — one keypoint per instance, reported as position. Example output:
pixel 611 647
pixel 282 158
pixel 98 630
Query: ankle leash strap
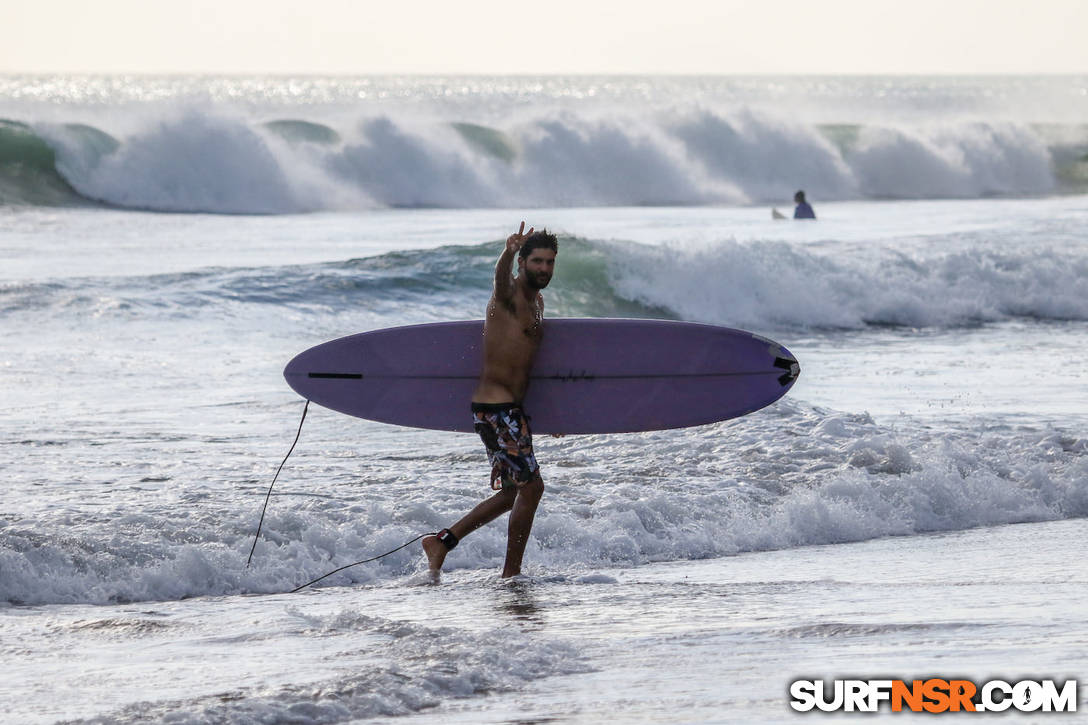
pixel 448 538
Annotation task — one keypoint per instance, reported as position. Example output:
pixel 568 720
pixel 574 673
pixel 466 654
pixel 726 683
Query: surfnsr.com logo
pixel 933 695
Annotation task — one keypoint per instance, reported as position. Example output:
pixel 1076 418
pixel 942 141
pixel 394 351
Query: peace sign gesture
pixel 514 241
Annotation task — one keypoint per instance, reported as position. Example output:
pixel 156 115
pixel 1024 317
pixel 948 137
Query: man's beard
pixel 535 282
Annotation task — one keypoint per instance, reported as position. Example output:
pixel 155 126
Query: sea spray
pixel 613 501
pixel 201 160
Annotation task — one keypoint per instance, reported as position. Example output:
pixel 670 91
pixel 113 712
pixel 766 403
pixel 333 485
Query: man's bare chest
pixel 520 315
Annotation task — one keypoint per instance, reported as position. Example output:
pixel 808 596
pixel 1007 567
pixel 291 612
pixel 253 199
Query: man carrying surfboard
pixel 512 332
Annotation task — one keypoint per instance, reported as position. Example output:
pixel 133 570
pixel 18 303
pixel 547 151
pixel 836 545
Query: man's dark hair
pixel 538 240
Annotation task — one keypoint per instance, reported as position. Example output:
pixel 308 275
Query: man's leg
pixel 521 522
pixel 484 513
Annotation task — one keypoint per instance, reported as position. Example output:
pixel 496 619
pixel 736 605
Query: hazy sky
pixel 552 36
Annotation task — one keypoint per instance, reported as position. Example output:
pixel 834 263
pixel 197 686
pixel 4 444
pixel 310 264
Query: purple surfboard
pixel 590 375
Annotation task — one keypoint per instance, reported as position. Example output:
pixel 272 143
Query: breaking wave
pixel 619 501
pixel 200 161
pixel 753 285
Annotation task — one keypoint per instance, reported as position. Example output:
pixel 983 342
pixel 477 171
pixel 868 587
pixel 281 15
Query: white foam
pixel 791 476
pixel 766 158
pixel 771 285
pixel 397 166
pixel 965 160
pixel 569 161
pixel 196 159
pixel 191 162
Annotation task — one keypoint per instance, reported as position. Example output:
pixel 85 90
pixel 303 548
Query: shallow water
pixel 714 640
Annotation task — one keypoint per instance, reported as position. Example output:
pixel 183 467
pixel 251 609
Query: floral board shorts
pixel 504 429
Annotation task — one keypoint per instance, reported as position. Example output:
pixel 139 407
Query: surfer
pixel 512 332
pixel 803 210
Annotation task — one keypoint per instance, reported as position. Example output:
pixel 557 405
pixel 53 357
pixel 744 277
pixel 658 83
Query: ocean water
pixel 915 506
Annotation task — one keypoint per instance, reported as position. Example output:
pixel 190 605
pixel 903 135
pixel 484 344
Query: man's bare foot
pixel 436 553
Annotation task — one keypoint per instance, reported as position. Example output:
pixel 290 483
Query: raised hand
pixel 514 241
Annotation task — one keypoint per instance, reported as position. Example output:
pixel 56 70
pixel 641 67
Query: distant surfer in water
pixel 803 210
pixel 512 333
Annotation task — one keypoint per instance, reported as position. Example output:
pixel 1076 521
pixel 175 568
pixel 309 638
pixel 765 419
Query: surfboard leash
pixel 364 561
pixel 268 495
pixel 264 509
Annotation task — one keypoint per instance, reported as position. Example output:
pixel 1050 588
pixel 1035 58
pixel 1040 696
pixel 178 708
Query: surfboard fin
pixel 792 368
